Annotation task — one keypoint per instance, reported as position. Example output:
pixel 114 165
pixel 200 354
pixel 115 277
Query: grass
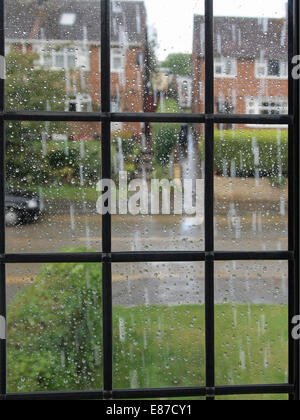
pixel 160 346
pixel 68 192
pixel 165 346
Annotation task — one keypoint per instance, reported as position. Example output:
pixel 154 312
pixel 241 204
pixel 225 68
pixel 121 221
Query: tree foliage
pixel 179 63
pixel 29 88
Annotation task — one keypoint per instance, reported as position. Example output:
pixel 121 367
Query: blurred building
pixel 250 69
pixel 66 36
pixel 166 83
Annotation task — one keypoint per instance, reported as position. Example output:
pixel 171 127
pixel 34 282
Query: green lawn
pixel 250 349
pixel 54 338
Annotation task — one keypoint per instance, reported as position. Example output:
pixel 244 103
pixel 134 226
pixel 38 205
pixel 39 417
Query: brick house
pixel 66 36
pixel 251 65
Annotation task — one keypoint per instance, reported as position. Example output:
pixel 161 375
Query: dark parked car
pixel 22 207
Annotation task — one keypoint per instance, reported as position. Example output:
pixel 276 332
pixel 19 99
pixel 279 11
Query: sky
pixel 173 19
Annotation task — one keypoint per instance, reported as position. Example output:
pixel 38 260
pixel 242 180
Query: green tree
pixel 29 88
pixel 179 63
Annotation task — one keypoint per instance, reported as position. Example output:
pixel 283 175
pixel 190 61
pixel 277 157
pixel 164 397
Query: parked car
pixel 22 207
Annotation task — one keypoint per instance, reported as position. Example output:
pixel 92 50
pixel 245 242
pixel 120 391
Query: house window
pixel 67 19
pixel 225 67
pixel 82 103
pixel 63 59
pixel 115 104
pixel 267 106
pixel 225 107
pixel 116 60
pixel 271 69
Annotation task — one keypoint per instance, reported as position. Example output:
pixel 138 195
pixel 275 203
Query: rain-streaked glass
pixel 52 171
pixel 171 156
pixel 159 325
pixel 53 55
pixel 251 188
pixel 54 327
pixel 154 66
pixel 251 310
pixel 251 57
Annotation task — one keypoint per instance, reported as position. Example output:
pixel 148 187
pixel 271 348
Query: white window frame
pixel 117 53
pixel 79 101
pixel 254 106
pixel 47 54
pixel 259 64
pixel 222 61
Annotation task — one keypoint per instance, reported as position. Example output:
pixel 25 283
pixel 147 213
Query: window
pixel 115 104
pixel 267 106
pixel 82 103
pixel 64 58
pixel 225 107
pixel 271 69
pixel 67 19
pixel 191 307
pixel 116 60
pixel 225 67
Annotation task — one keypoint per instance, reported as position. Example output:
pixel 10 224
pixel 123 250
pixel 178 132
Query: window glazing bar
pixel 3 373
pixel 146 117
pixel 106 219
pixel 209 197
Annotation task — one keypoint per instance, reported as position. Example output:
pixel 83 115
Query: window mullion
pixel 3 373
pixel 209 199
pixel 106 219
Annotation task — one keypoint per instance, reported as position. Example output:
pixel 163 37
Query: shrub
pixel 165 137
pixel 57 165
pixel 54 330
pixel 251 152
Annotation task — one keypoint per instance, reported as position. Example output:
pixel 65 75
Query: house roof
pixel 244 38
pixel 73 20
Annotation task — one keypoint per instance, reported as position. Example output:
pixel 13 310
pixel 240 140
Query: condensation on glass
pixel 168 161
pixel 53 55
pixel 251 58
pixel 52 171
pixel 153 64
pixel 251 310
pixel 251 188
pixel 54 327
pixel 159 325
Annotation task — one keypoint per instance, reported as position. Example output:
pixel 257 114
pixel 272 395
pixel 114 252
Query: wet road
pixel 167 284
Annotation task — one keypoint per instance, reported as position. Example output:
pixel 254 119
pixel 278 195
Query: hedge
pixel 54 330
pixel 56 165
pixel 249 152
pixel 165 138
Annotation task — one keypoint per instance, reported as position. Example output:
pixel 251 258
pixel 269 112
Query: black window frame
pixel 209 256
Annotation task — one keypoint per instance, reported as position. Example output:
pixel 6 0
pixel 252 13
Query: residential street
pixel 167 284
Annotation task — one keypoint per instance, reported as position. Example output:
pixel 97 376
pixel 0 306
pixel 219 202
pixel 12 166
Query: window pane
pixel 251 188
pixel 159 334
pixel 273 68
pixel 71 61
pixel 54 337
pixel 59 61
pixel 159 174
pixel 252 49
pixel 41 41
pixel 52 171
pixel 157 58
pixel 251 322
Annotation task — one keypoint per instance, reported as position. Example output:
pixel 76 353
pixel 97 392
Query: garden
pixel 54 338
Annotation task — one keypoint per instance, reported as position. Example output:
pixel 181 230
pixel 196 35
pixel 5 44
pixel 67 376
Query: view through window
pixel 148 224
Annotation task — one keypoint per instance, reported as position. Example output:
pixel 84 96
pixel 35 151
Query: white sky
pixel 173 19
